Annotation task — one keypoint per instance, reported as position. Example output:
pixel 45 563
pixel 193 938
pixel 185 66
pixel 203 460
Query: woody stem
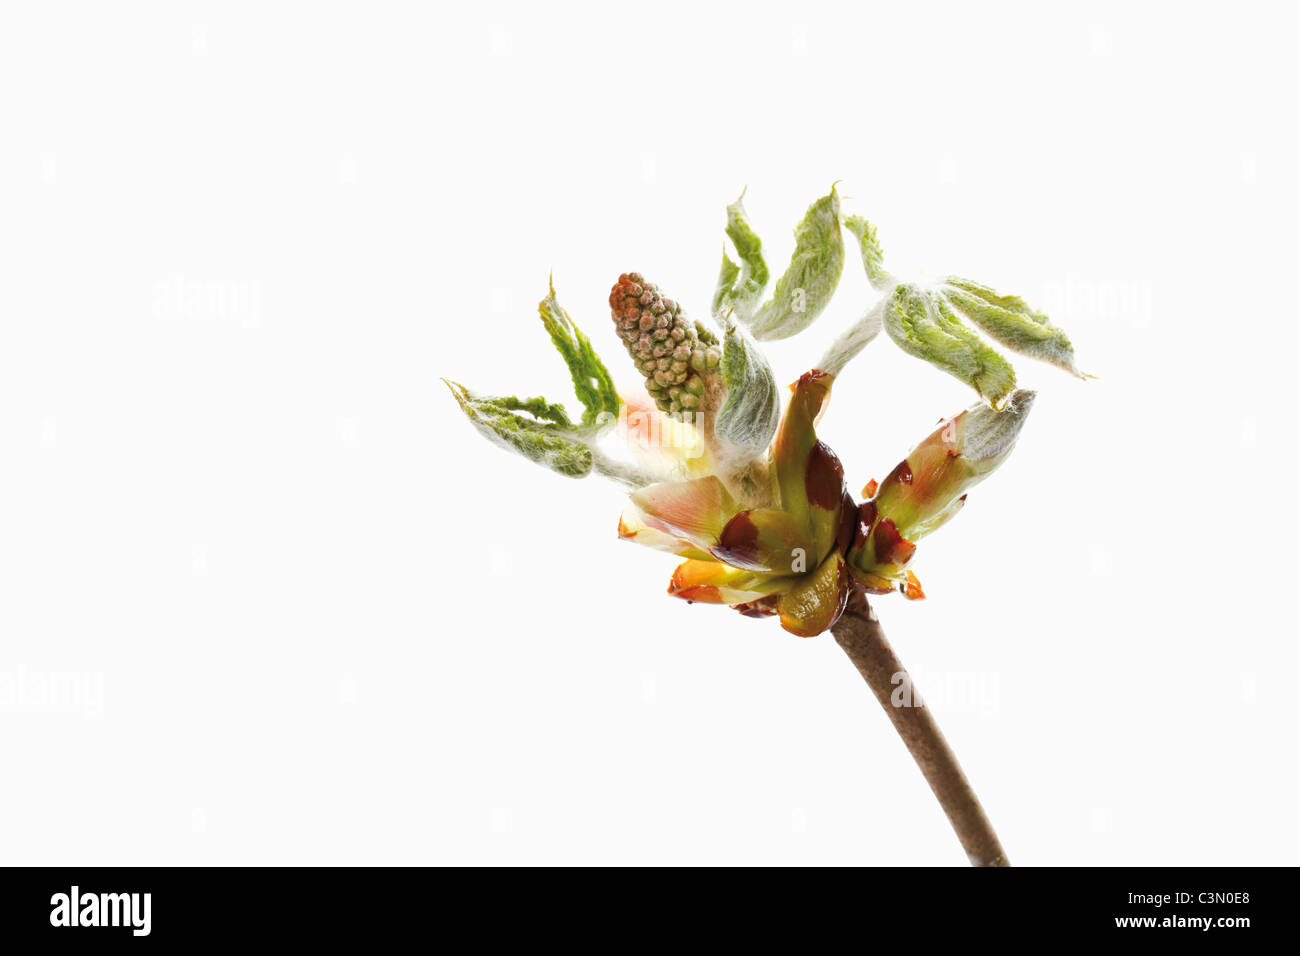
pixel 858 631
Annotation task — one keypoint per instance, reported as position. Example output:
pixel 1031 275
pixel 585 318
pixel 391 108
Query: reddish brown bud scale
pixel 885 538
pixel 763 607
pixel 866 520
pixel 891 547
pixel 811 391
pixel 738 543
pixel 902 474
pixel 848 523
pixel 812 375
pixel 823 477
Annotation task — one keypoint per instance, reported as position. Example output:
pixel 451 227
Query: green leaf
pixel 1008 319
pixel 804 291
pixel 924 325
pixel 727 276
pixel 748 290
pixel 988 435
pixel 591 380
pixel 872 255
pixel 549 443
pixel 537 407
pixel 752 409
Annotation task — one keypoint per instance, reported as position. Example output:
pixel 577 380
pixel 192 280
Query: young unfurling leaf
pixel 549 443
pixel 545 434
pixel 727 275
pixel 922 324
pixel 925 324
pixel 872 255
pixel 591 380
pixel 810 280
pixel 748 288
pixel 1008 319
pixel 749 415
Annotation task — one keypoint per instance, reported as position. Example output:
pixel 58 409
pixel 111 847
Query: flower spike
pixel 675 355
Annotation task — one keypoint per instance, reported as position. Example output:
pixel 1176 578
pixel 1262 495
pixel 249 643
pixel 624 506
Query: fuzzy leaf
pixel 591 380
pixel 548 443
pixel 872 255
pixel 924 325
pixel 1008 319
pixel 537 407
pixel 810 280
pixel 727 275
pixel 748 290
pixel 752 409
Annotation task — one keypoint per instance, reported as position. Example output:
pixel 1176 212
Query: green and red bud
pixel 809 476
pixel 787 559
pixel 928 488
pixel 959 454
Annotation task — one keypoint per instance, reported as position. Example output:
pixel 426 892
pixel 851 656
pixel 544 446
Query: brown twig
pixel 858 631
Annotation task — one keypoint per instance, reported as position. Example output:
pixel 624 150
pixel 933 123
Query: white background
pixel 266 597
